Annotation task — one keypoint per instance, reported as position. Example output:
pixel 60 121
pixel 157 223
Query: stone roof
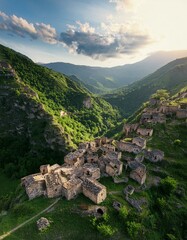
pixel 51 179
pixel 93 185
pixel 74 155
pixel 71 183
pixel 54 166
pixel 37 177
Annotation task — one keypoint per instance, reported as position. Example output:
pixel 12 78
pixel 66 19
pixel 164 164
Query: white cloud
pixel 112 39
pixel 127 5
pixel 46 33
pixel 17 25
pixel 21 27
pixel 85 27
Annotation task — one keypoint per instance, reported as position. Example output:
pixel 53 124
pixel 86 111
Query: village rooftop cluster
pixel 104 157
pixel 83 168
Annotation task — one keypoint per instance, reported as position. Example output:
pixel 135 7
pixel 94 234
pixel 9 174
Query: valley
pixel 53 147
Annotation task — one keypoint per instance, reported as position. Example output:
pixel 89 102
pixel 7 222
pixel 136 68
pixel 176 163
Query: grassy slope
pixel 156 221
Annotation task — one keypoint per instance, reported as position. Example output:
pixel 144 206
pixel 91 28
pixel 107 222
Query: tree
pixel 135 230
pixel 106 230
pixel 161 94
pixel 123 212
pixel 168 185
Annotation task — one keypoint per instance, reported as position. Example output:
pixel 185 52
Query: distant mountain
pixel 105 79
pixel 171 77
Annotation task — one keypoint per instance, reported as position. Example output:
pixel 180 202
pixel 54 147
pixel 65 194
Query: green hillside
pixel 163 215
pixel 171 77
pixel 102 80
pixel 32 130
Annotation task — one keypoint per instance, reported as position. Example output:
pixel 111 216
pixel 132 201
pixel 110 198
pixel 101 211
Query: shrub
pixel 162 203
pixel 168 185
pixel 177 142
pixel 123 212
pixel 106 230
pixel 134 230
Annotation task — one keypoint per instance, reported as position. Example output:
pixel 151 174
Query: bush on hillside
pixel 168 185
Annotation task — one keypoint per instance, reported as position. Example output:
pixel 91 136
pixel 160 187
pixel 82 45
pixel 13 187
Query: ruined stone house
pixel 94 190
pixel 139 174
pixel 129 128
pixel 128 147
pixel 34 185
pixel 72 188
pixel 154 101
pixel 153 117
pixel 141 142
pixel 154 155
pixel 91 171
pixel 75 158
pixel 181 113
pixel 87 103
pixel 53 185
pixel 146 132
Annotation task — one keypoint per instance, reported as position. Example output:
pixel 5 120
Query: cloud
pixel 46 33
pixel 16 25
pixel 109 40
pixel 117 39
pixel 21 27
pixel 127 5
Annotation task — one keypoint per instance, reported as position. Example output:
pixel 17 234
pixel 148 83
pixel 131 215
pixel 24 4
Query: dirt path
pixel 29 220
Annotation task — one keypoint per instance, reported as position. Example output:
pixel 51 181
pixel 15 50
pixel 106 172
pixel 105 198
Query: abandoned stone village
pixel 104 157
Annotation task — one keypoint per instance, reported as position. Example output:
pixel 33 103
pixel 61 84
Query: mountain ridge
pixel 171 77
pixel 106 79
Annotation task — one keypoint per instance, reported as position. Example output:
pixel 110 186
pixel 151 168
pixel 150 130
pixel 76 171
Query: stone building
pixel 114 168
pixel 75 158
pixel 141 142
pixel 168 109
pixel 53 185
pixel 154 101
pixel 128 147
pixel 63 113
pixel 181 114
pixel 154 155
pixel 72 188
pixel 92 156
pixel 87 103
pixel 153 117
pixel 91 171
pixel 34 184
pixel 139 174
pixel 45 169
pixel 146 132
pixel 94 190
pixel 128 128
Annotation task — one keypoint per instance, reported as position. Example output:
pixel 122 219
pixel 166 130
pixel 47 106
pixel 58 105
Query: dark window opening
pixel 100 211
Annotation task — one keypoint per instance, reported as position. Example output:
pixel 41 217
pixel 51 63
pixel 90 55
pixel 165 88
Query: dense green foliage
pixel 171 77
pixel 164 213
pixel 32 130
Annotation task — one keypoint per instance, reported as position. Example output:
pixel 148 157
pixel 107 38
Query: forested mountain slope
pixel 171 77
pixel 43 114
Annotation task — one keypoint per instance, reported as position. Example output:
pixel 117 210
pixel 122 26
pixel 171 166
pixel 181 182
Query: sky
pixel 97 33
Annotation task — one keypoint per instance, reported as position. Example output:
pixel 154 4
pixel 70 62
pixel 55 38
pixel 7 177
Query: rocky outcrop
pixel 42 224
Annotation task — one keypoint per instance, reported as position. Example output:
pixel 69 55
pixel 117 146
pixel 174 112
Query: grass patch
pixel 8 185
